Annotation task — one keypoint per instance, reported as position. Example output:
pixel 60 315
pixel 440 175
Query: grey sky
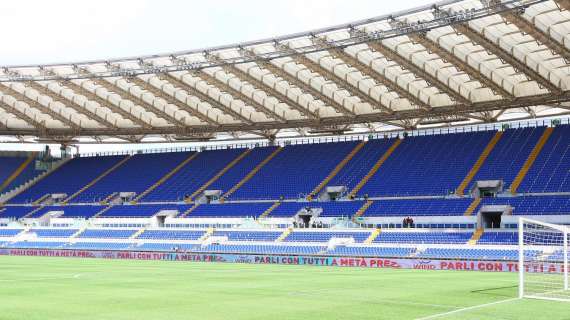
pixel 39 31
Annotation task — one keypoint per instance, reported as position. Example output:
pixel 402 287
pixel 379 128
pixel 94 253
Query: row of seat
pixel 316 236
pixel 420 165
pixel 527 205
pixel 356 251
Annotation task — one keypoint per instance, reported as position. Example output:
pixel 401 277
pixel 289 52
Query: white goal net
pixel 543 260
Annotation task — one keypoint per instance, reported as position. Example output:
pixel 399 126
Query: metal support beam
pixel 379 78
pixel 127 95
pixel 70 102
pixel 459 64
pixel 105 103
pixel 159 93
pixel 341 83
pixel 294 81
pixel 564 4
pixel 392 55
pixel 505 56
pixel 21 115
pixel 181 84
pixel 379 117
pixel 237 94
pixel 37 105
pixel 246 77
pixel 515 17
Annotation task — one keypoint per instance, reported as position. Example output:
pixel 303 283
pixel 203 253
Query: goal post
pixel 543 260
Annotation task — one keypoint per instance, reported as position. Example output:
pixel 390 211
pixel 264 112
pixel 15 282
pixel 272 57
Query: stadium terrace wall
pixel 326 261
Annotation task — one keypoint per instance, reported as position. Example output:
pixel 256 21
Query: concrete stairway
pixel 373 236
pixel 475 237
pixel 80 231
pixel 12 193
pixel 336 170
pixel 471 174
pixel 166 176
pixel 18 170
pixel 375 168
pixel 219 174
pixel 206 235
pixel 362 210
pixel 41 199
pixel 530 160
pixel 471 209
pixel 29 214
pixel 101 176
pixel 269 210
pixel 98 214
pixel 187 212
pixel 252 173
pixel 284 235
pixel 138 233
pixel 108 198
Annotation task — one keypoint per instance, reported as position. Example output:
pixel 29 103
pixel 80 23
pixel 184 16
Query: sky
pixel 41 32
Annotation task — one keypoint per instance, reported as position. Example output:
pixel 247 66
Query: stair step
pixel 206 235
pixel 530 160
pixel 375 168
pixel 269 210
pixel 373 236
pixel 102 211
pixel 336 170
pixel 480 161
pixel 101 176
pixel 284 235
pixel 166 176
pixel 220 173
pixel 474 204
pixel 35 180
pixel 18 170
pixel 41 199
pixel 187 212
pixel 475 237
pixel 362 210
pixel 138 233
pixel 252 172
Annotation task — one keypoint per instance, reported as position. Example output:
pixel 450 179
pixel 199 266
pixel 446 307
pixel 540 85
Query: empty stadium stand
pixel 508 156
pixel 550 172
pixel 418 207
pixel 69 178
pixel 324 236
pixel 264 188
pixel 285 177
pixel 533 205
pixel 136 175
pixel 329 209
pixel 107 233
pixel 423 237
pixel 235 210
pixel 147 210
pixel 427 165
pixel 78 211
pixel 193 175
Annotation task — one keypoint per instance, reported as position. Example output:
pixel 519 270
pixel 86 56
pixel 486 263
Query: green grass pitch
pixel 68 288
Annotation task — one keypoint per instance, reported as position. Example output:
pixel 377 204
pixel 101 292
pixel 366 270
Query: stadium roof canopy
pixel 454 62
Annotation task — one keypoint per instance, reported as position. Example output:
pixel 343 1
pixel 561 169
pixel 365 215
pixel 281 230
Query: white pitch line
pixel 466 309
pixel 75 276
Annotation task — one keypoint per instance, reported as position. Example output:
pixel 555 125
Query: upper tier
pixel 531 160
